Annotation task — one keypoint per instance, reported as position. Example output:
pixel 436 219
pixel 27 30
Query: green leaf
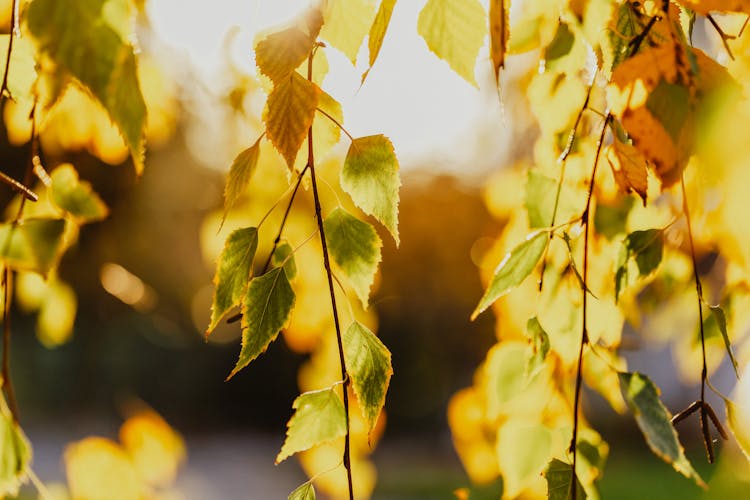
pixel 454 30
pixel 355 248
pixel 721 321
pixel 233 272
pixel 32 245
pixel 538 349
pixel 670 104
pixel 320 417
pixel 738 420
pixel 88 39
pixel 609 220
pixel 514 268
pixel 523 450
pixel 646 248
pixel 75 196
pixel 540 199
pixel 279 53
pixel 289 114
pixel 560 46
pixel 266 309
pixel 15 455
pixel 371 177
pixel 368 362
pixel 559 476
pixel 242 169
pixel 624 29
pixel 378 30
pixel 642 397
pixel 304 492
pixel 284 254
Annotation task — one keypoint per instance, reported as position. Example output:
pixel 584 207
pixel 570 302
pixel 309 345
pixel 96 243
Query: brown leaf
pixel 628 167
pixel 498 35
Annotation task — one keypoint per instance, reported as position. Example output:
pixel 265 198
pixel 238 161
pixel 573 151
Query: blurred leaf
pixel 88 40
pixel 538 349
pixel 22 67
pixel 320 417
pixel 738 419
pixel 242 169
pixel 233 272
pixel 346 25
pixel 15 455
pixel 284 254
pixel 265 310
pixel 279 53
pixel 540 199
pixel 499 23
pixel 560 46
pixel 75 196
pixel 669 103
pixel 705 7
pixel 491 491
pixel 377 31
pixel 523 450
pixel 642 397
pixel 514 268
pixel 154 447
pixel 368 362
pixel 624 29
pixel 721 321
pixel 454 31
pixel 645 247
pixel 355 248
pixel 304 492
pixel 559 476
pixel 289 113
pixel 57 314
pixel 99 468
pixel 628 167
pixel 610 220
pixel 371 177
pixel 33 244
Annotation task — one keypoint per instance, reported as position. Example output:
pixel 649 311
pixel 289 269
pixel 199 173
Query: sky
pixel 411 96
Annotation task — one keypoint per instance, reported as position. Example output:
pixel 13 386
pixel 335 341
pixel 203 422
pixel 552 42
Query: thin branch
pixel 5 372
pixel 329 274
pixel 584 333
pixel 336 122
pixel 724 36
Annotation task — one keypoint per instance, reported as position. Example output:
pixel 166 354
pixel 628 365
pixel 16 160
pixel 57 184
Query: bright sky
pixel 410 95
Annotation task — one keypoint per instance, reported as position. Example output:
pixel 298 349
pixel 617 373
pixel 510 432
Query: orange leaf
pixel 628 167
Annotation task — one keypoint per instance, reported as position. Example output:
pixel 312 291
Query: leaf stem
pixel 336 122
pixel 4 91
pixel 584 290
pixel 329 273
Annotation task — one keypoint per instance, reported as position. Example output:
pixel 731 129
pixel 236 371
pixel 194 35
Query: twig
pixel 584 334
pixel 724 37
pixel 336 122
pixel 5 373
pixel 329 273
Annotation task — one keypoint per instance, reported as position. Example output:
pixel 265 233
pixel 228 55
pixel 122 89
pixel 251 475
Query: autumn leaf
pixel 454 31
pixel 76 197
pixel 15 455
pixel 304 492
pixel 628 167
pixel 346 24
pixel 705 7
pixel 289 113
pixel 320 417
pixel 279 53
pixel 242 169
pixel 498 35
pixel 33 244
pixel 377 32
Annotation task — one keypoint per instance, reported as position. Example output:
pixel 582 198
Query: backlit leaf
pixel 355 248
pixel 284 255
pixel 22 67
pixel 15 455
pixel 721 321
pixel 738 420
pixel 99 468
pixel 705 7
pixel 538 349
pixel 642 397
pixel 242 169
pixel 378 30
pixel 346 25
pixel 279 53
pixel 75 196
pixel 87 39
pixel 266 309
pixel 233 272
pixel 559 476
pixel 371 177
pixel 499 23
pixel 57 314
pixel 289 113
pixel 624 28
pixel 319 418
pixel 645 248
pixel 540 199
pixel 368 362
pixel 454 30
pixel 304 492
pixel 523 450
pixel 628 167
pixel 514 268
pixel 32 245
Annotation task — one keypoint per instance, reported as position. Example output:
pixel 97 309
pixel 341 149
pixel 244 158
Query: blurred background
pixel 142 276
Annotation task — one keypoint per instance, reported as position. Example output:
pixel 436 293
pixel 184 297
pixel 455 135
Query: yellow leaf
pixel 98 468
pixel 705 7
pixel 628 167
pixel 279 53
pixel 155 448
pixel 377 31
pixel 454 30
pixel 498 35
pixel 57 314
pixel 346 24
pixel 289 113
